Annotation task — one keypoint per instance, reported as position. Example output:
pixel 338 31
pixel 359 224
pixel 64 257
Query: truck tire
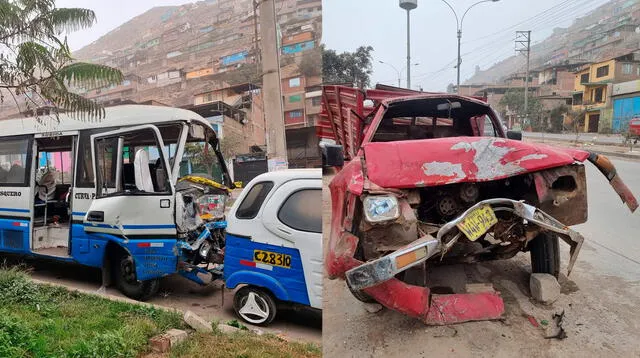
pixel 125 279
pixel 254 305
pixel 545 254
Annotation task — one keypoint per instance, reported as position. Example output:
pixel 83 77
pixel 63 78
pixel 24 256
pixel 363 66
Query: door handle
pixel 96 216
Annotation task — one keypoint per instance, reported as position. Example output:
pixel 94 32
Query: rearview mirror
pixel 332 155
pixel 196 131
pixel 515 135
pixel 449 105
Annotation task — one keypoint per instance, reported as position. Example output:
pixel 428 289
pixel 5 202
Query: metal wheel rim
pixel 254 308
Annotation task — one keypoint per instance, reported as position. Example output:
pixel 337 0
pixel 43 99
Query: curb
pixel 619 155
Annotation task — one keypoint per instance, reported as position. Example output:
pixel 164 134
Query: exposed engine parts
pixel 200 204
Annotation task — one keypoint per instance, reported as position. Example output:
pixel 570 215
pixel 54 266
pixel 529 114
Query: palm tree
pixel 36 65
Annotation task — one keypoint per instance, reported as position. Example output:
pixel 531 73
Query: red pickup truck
pixel 427 179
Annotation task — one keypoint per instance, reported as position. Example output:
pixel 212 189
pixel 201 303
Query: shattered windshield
pixel 434 118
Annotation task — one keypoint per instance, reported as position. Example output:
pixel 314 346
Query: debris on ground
pixel 556 330
pixel 372 307
pixel 162 343
pixel 227 329
pixel 544 288
pixel 444 331
pixel 196 322
pixel 479 287
pixel 533 321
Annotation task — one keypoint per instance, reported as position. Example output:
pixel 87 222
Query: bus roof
pixel 126 115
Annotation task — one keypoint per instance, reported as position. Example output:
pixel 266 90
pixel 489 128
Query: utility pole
pixel 272 88
pixel 523 45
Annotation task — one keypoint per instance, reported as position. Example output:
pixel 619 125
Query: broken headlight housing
pixel 381 208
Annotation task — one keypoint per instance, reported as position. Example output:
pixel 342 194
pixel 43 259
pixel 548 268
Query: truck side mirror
pixel 332 155
pixel 515 135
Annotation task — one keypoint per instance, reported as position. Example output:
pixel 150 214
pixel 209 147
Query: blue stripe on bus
pixel 78 213
pixel 131 227
pixel 15 210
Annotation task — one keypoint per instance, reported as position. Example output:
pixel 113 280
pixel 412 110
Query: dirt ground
pixel 600 301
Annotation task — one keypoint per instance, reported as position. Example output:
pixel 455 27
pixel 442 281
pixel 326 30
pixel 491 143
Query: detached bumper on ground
pixel 376 277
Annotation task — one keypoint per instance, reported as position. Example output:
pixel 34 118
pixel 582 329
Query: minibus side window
pixel 84 171
pixel 142 170
pixel 14 161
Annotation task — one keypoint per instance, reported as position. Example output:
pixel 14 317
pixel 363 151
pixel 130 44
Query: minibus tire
pixel 545 254
pixel 262 297
pixel 137 290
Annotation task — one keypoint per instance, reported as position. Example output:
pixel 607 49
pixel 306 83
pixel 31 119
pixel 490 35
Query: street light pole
pixel 408 50
pixel 459 32
pixel 408 5
pixel 394 67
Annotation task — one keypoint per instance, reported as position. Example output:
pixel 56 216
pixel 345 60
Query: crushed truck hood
pixel 431 162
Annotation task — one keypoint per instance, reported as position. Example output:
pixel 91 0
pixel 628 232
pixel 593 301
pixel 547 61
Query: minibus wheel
pixel 125 278
pixel 254 305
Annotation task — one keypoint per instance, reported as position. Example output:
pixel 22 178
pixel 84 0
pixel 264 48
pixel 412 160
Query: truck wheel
pixel 125 277
pixel 254 305
pixel 545 254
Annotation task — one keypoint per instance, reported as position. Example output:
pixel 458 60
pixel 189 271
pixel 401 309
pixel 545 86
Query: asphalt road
pixel 600 298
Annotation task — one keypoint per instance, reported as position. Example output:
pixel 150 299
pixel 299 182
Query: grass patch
pixel 47 321
pixel 243 345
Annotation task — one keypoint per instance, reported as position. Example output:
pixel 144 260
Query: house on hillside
pixel 593 85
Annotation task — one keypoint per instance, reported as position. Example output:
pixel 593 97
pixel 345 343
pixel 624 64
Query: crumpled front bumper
pixel 376 277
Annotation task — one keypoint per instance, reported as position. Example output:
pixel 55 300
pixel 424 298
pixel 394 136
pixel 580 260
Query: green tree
pixel 351 67
pixel 311 63
pixel 36 64
pixel 556 118
pixel 514 101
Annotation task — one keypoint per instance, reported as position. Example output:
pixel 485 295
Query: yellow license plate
pixel 478 222
pixel 272 258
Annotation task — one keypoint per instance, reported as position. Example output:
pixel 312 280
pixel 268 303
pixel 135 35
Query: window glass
pixel 84 172
pixel 143 169
pixel 627 68
pixel 602 71
pixel 251 204
pixel 294 82
pixel 295 114
pixel 301 211
pixel 14 164
pixel 59 163
pixel 584 78
pixel 106 164
pixel 201 157
pixel 488 130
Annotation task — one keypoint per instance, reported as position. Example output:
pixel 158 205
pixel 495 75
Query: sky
pixel 488 31
pixel 109 15
pixel 488 34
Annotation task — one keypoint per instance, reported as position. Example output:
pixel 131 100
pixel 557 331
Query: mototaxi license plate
pixel 272 258
pixel 478 222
